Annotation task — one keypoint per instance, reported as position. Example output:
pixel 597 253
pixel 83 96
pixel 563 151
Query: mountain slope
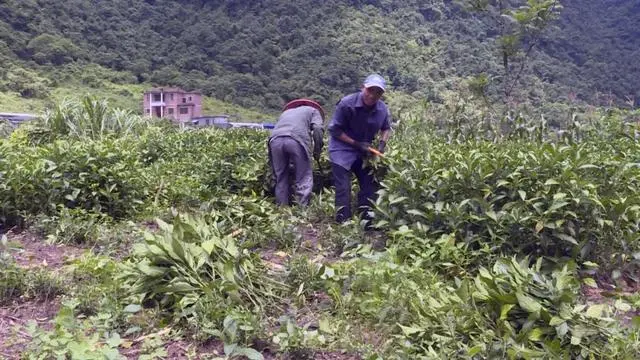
pixel 263 53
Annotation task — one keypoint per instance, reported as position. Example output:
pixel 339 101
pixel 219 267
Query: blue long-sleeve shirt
pixel 359 122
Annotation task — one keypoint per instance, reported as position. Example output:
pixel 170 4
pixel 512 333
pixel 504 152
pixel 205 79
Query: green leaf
pixel 539 226
pixel 114 340
pixel 595 311
pixel 555 321
pixel 484 273
pixel 567 238
pixel 230 349
pixel 132 308
pixel 590 264
pixel 251 354
pixel 622 305
pixel 491 214
pixel 177 287
pixel 557 205
pixel 590 282
pixel 325 326
pixel 562 330
pixel 536 334
pixel 409 330
pixel 329 273
pixel 416 213
pixel 209 245
pixel 475 350
pixel 78 350
pixel 112 354
pixel 395 200
pixel 529 304
pixel 523 195
pixel 151 271
pixel 558 196
pixel 231 247
pixel 504 311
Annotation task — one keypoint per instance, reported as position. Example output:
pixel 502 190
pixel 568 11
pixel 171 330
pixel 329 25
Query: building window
pixel 184 110
pixel 171 97
pixel 156 97
pixel 170 111
pixel 189 98
pixel 184 100
pixel 148 111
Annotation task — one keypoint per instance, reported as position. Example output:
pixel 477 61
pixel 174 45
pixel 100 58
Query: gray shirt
pixel 297 123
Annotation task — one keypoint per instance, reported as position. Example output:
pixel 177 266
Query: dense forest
pixel 262 53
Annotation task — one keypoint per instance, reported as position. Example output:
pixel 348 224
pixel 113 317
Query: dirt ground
pixel 31 251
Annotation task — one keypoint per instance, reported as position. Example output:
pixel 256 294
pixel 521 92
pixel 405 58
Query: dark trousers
pixel 284 151
pixel 366 194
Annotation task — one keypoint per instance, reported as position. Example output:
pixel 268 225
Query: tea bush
pixel 6 128
pixel 512 311
pixel 539 197
pixel 98 176
pixel 122 176
pixel 192 166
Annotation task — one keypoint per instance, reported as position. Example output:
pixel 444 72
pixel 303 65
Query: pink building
pixel 172 103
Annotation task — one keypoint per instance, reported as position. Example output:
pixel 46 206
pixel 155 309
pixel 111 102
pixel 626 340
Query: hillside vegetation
pixel 263 53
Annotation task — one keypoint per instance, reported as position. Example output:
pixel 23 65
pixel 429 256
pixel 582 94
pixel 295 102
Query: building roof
pixel 212 116
pixel 170 90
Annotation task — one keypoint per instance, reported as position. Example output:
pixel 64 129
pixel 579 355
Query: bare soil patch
pixel 33 251
pixel 608 291
pixel 14 319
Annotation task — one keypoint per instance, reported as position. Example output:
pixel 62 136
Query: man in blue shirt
pixel 358 118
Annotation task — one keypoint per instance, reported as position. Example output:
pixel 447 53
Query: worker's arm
pixel 337 124
pixel 386 132
pixel 317 133
pixel 346 138
pixel 385 135
pixel 360 145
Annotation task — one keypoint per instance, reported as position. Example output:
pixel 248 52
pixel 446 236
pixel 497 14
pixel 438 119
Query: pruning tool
pixel 375 152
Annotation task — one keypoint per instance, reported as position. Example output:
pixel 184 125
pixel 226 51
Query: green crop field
pixel 504 238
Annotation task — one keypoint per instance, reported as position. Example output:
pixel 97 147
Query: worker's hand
pixel 362 146
pixel 381 145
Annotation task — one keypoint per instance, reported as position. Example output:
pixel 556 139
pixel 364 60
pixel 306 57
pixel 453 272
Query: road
pixel 17 117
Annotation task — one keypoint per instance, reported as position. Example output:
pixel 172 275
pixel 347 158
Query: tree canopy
pixel 264 53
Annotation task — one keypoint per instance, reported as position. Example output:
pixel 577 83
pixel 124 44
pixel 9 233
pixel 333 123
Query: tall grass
pixel 92 118
pixel 6 128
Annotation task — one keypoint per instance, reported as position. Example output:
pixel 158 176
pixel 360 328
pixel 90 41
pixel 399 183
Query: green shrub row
pixel 537 197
